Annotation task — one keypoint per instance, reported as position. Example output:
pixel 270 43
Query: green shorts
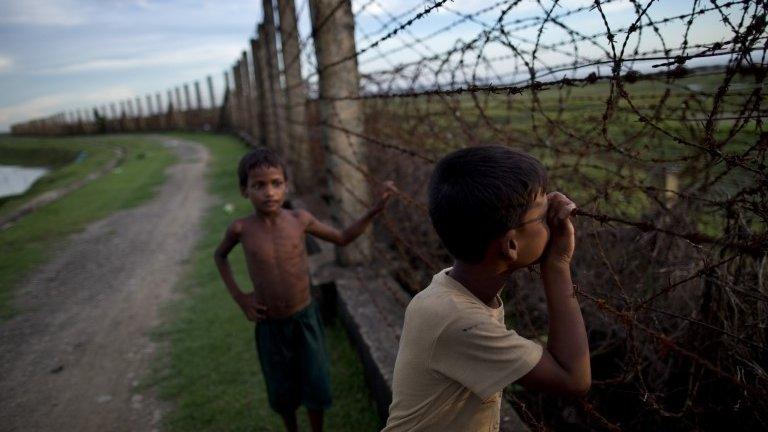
pixel 294 361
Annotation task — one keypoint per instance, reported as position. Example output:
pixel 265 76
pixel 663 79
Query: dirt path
pixel 72 359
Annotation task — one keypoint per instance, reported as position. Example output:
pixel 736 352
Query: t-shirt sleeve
pixel 483 355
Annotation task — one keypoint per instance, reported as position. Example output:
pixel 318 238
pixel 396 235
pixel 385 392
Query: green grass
pixel 57 154
pixel 605 177
pixel 211 374
pixel 29 242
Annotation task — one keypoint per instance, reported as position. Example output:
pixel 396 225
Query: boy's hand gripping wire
pixel 388 189
pixel 562 235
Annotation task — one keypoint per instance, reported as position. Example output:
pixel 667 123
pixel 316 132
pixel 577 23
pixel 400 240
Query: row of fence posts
pixel 266 105
pixel 138 114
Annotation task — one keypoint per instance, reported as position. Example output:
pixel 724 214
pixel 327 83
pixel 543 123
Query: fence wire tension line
pixel 648 113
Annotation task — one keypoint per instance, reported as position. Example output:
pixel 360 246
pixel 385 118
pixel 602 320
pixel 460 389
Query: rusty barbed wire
pixel 654 128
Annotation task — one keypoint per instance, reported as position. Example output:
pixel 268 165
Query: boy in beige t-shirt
pixel 489 207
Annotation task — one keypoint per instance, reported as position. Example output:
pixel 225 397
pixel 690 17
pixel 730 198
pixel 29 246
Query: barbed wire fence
pixel 648 114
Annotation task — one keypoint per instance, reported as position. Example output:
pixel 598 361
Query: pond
pixel 15 180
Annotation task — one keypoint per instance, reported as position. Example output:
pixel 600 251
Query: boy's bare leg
pixel 315 420
pixel 290 422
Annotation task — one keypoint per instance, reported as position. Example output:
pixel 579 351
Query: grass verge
pixel 68 159
pixel 211 374
pixel 29 242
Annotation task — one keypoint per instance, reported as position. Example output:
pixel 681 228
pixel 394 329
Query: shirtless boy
pixel 289 334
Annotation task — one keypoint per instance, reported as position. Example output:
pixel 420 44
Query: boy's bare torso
pixel 276 257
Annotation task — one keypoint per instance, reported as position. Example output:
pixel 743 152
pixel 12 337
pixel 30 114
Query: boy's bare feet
pixel 315 420
pixel 291 425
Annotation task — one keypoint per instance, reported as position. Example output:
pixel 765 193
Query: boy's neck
pixel 483 280
pixel 268 217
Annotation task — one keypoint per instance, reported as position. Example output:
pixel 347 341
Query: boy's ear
pixel 242 192
pixel 509 246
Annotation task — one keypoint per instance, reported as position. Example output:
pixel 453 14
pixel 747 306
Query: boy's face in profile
pixel 265 189
pixel 532 233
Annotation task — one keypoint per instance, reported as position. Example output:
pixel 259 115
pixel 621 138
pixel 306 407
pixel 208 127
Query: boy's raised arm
pixel 353 231
pixel 253 311
pixel 565 364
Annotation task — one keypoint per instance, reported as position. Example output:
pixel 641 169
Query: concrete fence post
pixel 211 93
pixel 209 115
pixel 178 113
pixel 130 121
pixel 198 96
pixel 132 114
pixel 170 115
pixel 187 112
pixel 197 115
pixel 177 99
pixel 90 120
pixel 257 93
pixel 113 123
pixel 151 118
pixel 141 123
pixel 104 120
pixel 160 122
pixel 334 42
pixel 187 98
pixel 80 124
pixel 123 117
pixel 273 73
pixel 295 96
pixel 269 123
pixel 245 94
pixel 150 108
pixel 227 104
pixel 237 98
pixel 82 121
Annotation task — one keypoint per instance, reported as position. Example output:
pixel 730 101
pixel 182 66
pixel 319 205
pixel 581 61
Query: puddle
pixel 15 180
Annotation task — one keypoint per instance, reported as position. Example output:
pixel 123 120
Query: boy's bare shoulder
pixel 237 226
pixel 304 216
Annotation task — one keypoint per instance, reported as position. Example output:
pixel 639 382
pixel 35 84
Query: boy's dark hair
pixel 477 194
pixel 260 157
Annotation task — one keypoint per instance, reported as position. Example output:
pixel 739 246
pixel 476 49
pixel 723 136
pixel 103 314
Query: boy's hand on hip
pixel 388 189
pixel 253 310
pixel 562 234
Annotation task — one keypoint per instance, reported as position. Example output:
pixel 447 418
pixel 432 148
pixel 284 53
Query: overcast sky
pixel 66 54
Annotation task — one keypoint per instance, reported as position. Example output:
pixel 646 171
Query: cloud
pixel 46 105
pixel 381 7
pixel 40 12
pixel 6 63
pixel 210 53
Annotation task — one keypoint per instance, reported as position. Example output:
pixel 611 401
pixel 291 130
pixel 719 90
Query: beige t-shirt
pixel 456 356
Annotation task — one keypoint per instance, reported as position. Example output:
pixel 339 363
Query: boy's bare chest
pixel 282 241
